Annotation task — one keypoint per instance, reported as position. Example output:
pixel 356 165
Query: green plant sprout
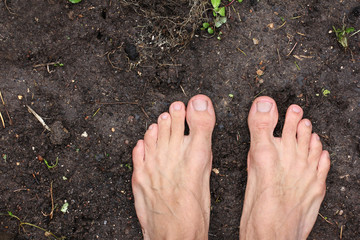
pixel 65 206
pixel 128 165
pixel 74 1
pixel 47 233
pixel 51 166
pixel 220 17
pixel 325 92
pixel 58 64
pixel 342 35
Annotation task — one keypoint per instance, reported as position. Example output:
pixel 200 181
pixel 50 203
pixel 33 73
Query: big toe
pixel 200 116
pixel 262 120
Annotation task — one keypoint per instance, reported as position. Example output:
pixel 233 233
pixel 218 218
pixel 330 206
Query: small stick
pixel 2 120
pixel 7 113
pixel 45 64
pixel 182 89
pixel 292 49
pixel 325 219
pixel 51 214
pixel 8 8
pixel 355 33
pixel 142 109
pixel 39 118
pixel 260 93
pixel 341 231
pixel 282 25
pixel 241 51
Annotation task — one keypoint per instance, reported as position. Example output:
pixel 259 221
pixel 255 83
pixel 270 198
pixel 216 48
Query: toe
pixel 150 138
pixel 177 113
pixel 200 116
pixel 262 120
pixel 292 119
pixel 315 149
pixel 138 155
pixel 324 165
pixel 164 123
pixel 303 134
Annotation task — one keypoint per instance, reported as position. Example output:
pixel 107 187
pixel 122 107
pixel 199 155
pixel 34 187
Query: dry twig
pixel 7 8
pixel 51 214
pixel 7 112
pixel 39 118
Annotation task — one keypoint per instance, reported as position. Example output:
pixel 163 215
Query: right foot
pixel 286 176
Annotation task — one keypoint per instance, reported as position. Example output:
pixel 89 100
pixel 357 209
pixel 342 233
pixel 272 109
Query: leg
pixel 171 173
pixel 286 176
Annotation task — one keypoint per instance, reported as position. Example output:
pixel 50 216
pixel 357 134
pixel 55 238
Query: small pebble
pixel 84 134
pixel 341 212
pixel 342 189
pixel 260 72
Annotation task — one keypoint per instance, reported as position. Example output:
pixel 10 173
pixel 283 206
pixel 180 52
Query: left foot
pixel 171 173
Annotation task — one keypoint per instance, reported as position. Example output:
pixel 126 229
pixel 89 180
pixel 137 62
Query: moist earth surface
pixel 100 72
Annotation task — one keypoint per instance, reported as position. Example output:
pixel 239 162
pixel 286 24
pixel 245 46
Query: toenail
pixel 263 106
pixel 317 137
pixel 151 127
pixel 164 116
pixel 177 106
pixel 200 105
pixel 296 109
pixel 307 123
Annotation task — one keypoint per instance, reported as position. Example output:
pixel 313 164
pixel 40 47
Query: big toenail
pixel 263 106
pixel 177 106
pixel 296 109
pixel 200 105
pixel 164 116
pixel 307 123
pixel 151 127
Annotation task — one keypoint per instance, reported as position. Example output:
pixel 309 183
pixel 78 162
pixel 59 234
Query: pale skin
pixel 286 176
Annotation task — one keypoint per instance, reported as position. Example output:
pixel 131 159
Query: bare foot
pixel 286 176
pixel 171 173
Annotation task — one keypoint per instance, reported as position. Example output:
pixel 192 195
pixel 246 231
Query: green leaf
pixel 223 20
pixel 218 24
pixel 240 1
pixel 206 25
pixel 210 30
pixel 215 3
pixel 51 166
pixel 325 92
pixel 349 30
pixel 220 21
pixel 10 214
pixel 74 1
pixel 222 11
pixel 64 207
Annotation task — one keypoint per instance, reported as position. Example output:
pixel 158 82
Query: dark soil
pixel 109 56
